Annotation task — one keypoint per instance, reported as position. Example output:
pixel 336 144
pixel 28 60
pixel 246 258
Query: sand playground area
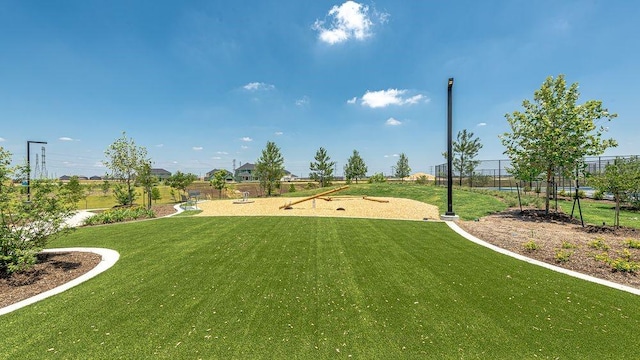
pixel 330 206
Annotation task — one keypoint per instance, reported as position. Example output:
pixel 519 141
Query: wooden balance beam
pixel 314 197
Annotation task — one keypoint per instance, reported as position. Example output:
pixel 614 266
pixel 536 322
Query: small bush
pixel 624 265
pixel 604 257
pixel 531 246
pixel 562 255
pixel 568 245
pixel 599 244
pixel 598 195
pixel 581 194
pixel 311 185
pixel 377 178
pixel 119 215
pixel 422 180
pixel 292 188
pixel 632 244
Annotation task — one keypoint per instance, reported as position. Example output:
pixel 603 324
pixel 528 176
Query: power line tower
pixel 43 165
pixel 36 169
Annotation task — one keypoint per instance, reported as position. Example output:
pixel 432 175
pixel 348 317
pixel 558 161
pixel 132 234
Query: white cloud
pixel 246 139
pixel 2 139
pixel 302 102
pixel 244 147
pixel 384 98
pixel 222 153
pixel 255 86
pixel 64 138
pixel 350 20
pixel 160 145
pixel 393 122
pixel 216 158
pixel 197 148
pixel 482 124
pixel 98 164
pixel 352 100
pixel 278 133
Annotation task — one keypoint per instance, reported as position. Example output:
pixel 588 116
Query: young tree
pixel 181 181
pixel 554 133
pixel 26 227
pixel 219 181
pixel 155 194
pixel 125 160
pixel 402 167
pixel 465 149
pixel 105 186
pixel 322 168
pixel 269 168
pixel 147 181
pixel 355 168
pixel 73 190
pixel 622 178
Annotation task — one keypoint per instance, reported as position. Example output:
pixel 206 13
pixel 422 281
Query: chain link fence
pixel 495 174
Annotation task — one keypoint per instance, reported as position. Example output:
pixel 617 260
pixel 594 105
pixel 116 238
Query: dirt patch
pixel 556 235
pixel 330 206
pixel 50 271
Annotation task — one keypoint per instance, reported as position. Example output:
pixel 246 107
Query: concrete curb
pixel 578 275
pixel 109 258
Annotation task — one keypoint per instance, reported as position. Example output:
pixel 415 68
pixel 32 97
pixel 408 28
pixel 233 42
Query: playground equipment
pixel 288 206
pixel 245 199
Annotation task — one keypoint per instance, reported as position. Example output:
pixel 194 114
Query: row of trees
pixel 270 168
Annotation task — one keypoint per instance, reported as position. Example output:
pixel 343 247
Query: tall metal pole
pixel 449 151
pixel 29 166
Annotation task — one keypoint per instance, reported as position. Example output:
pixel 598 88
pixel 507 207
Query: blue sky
pixel 201 83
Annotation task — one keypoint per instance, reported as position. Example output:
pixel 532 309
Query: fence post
pixel 499 176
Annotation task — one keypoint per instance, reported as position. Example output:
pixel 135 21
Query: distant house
pixel 65 178
pixel 288 176
pixel 95 177
pixel 161 174
pixel 228 175
pixel 246 172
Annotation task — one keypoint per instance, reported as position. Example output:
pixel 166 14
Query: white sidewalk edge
pixel 576 274
pixel 109 258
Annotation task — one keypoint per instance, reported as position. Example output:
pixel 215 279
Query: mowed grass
pixel 313 288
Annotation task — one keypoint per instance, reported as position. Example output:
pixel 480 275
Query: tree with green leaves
pixel 219 181
pixel 73 190
pixel 402 167
pixel 355 168
pixel 27 226
pixel 147 181
pixel 125 160
pixel 322 168
pixel 105 186
pixel 465 149
pixel 553 133
pixel 155 194
pixel 270 168
pixel 622 179
pixel 181 181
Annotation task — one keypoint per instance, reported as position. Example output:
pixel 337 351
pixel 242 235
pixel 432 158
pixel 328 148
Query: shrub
pixel 531 246
pixel 624 265
pixel 598 195
pixel 422 180
pixel 563 255
pixel 119 215
pixel 568 245
pixel 581 194
pixel 377 178
pixel 311 185
pixel 599 244
pixel 632 244
pixel 292 188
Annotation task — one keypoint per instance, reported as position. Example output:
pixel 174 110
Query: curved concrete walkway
pixel 109 258
pixel 578 275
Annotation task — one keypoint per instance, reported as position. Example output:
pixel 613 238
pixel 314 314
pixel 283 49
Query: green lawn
pixel 292 287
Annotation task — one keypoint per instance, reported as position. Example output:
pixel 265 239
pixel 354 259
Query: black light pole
pixel 449 152
pixel 29 166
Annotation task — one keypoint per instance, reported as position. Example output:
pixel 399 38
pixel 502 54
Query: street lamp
pixel 449 215
pixel 29 166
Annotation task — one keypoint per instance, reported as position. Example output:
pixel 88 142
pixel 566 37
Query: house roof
pixel 214 171
pixel 247 166
pixel 160 172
